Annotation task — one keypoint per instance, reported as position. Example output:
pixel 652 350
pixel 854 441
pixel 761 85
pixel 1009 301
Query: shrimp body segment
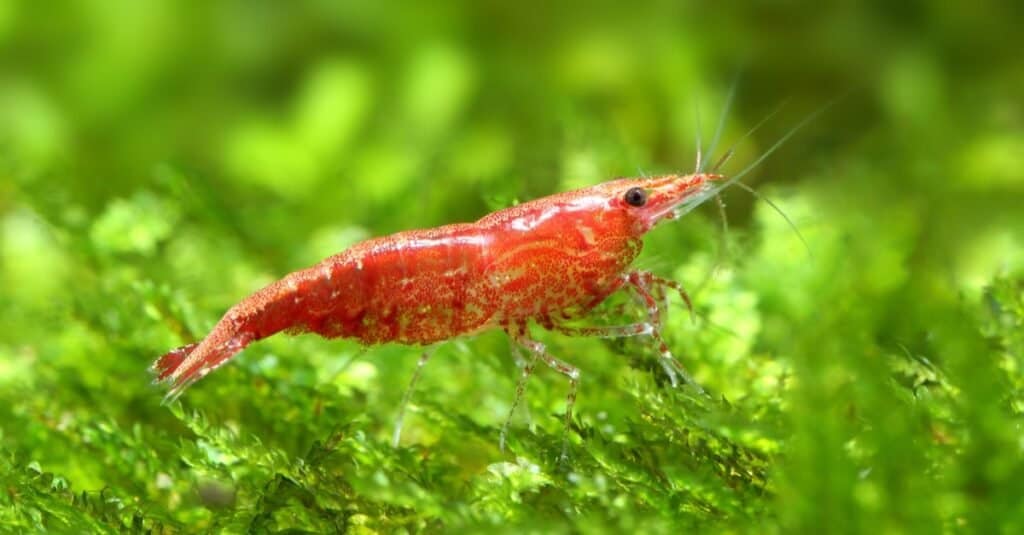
pixel 544 261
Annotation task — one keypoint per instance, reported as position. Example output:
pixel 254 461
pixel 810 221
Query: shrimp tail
pixel 169 362
pixel 187 364
pixel 277 307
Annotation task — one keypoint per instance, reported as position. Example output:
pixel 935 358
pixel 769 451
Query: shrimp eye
pixel 635 197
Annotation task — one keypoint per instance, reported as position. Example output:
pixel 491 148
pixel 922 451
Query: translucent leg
pixel 640 282
pixel 611 331
pixel 526 367
pixel 538 350
pixel 408 396
pixel 658 284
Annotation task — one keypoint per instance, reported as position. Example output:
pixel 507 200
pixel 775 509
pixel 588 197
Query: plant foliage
pixel 160 162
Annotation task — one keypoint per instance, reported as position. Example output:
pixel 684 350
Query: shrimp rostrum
pixel 539 263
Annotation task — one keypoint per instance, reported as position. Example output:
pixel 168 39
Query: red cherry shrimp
pixel 542 262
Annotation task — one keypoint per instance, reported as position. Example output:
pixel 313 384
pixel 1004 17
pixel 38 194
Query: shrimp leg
pixel 669 363
pixel 607 331
pixel 538 350
pixel 641 281
pixel 658 284
pixel 397 434
pixel 526 366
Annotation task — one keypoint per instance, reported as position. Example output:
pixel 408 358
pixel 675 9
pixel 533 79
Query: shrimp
pixel 544 262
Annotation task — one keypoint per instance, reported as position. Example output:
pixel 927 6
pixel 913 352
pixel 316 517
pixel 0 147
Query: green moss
pixel 157 165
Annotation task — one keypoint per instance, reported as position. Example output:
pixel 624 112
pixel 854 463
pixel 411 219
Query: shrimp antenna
pixel 777 144
pixel 730 96
pixel 711 150
pixel 725 220
pixel 700 198
pixel 729 152
pixel 700 155
pixel 735 179
pixel 732 148
pixel 775 207
pixel 721 161
pixel 813 115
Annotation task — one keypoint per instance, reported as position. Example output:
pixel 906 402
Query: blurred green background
pixel 160 160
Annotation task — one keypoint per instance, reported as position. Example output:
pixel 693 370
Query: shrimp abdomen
pixel 412 288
